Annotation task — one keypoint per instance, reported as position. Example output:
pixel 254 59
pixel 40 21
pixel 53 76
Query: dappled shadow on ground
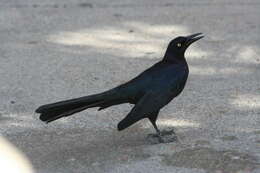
pixel 219 108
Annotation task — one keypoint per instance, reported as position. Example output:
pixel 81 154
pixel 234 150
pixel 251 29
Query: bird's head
pixel 178 46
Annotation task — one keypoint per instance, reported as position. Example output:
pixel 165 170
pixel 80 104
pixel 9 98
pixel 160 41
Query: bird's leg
pixel 159 135
pixel 156 128
pixel 164 136
pixel 153 117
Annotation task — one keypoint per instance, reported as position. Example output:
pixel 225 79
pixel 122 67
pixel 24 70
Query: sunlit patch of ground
pixel 247 101
pixel 141 40
pixel 178 123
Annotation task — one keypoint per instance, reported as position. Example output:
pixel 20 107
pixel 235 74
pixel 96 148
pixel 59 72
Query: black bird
pixel 150 91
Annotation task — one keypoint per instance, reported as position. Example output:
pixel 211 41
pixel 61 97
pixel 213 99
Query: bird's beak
pixel 192 38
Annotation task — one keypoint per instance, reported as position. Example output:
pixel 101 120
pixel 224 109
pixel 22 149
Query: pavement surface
pixel 60 49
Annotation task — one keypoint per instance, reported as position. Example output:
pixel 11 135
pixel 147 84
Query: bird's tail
pixel 54 111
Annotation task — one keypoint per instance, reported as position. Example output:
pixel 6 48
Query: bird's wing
pixel 152 101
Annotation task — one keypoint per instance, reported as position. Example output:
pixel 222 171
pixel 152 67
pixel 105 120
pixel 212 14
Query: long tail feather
pixel 51 116
pixel 54 111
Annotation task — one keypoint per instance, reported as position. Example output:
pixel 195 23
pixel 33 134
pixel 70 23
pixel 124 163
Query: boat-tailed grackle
pixel 149 92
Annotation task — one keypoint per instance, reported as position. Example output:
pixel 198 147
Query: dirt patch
pixel 202 143
pixel 229 138
pixel 212 160
pixel 257 132
pixel 86 5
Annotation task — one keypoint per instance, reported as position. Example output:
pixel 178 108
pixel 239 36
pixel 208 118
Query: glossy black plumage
pixel 150 91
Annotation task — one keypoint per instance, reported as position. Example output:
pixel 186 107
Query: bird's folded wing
pixel 149 103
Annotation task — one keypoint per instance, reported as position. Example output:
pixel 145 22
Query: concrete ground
pixel 60 49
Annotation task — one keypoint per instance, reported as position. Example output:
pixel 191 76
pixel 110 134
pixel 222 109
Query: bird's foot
pixel 168 132
pixel 155 138
pixel 165 136
pixel 153 135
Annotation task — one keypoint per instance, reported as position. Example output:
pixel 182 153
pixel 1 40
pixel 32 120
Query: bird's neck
pixel 174 58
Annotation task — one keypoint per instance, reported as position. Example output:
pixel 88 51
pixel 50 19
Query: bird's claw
pixel 155 138
pixel 168 132
pixel 165 136
pixel 160 139
pixel 152 135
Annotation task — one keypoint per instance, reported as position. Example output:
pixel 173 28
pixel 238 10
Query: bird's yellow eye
pixel 179 44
